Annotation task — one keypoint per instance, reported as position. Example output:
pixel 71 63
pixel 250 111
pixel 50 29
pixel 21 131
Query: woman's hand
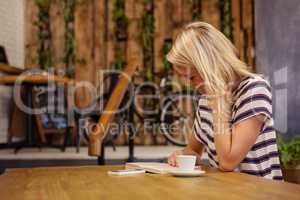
pixel 194 147
pixel 172 157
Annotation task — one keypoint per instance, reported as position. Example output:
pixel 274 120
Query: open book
pixel 153 167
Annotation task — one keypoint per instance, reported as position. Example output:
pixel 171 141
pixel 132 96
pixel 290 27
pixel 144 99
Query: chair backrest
pixel 54 102
pixel 3 57
pixel 113 103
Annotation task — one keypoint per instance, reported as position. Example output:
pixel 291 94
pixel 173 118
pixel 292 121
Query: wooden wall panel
pixel 31 38
pixel 236 22
pixel 161 20
pixel 134 10
pixel 169 22
pixel 99 34
pixel 170 17
pixel 159 33
pixel 95 40
pixel 110 40
pixel 187 14
pixel 100 48
pixel 177 17
pixel 243 29
pixel 248 26
pixel 84 68
pixel 211 12
pixel 57 27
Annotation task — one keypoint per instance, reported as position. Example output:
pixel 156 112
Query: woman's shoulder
pixel 253 84
pixel 258 78
pixel 253 97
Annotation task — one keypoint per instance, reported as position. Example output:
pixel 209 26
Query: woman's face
pixel 190 74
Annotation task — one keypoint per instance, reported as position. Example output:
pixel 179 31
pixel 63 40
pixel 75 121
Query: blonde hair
pixel 201 45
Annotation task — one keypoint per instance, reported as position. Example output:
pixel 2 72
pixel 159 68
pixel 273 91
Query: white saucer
pixel 182 173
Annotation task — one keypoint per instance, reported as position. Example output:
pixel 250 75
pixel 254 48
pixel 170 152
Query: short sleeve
pixel 253 100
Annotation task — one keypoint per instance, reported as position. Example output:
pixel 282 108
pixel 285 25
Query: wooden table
pixel 87 183
pixel 29 81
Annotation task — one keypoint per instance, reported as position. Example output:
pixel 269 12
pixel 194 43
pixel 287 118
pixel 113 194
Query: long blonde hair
pixel 201 45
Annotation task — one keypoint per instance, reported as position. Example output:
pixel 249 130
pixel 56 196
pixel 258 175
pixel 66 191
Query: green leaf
pixel 289 151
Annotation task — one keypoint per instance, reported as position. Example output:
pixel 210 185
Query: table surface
pixel 93 182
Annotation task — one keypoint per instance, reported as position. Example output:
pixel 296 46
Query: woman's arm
pixel 232 145
pixel 194 147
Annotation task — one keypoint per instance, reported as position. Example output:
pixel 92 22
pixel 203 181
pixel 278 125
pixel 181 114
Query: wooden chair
pixel 100 130
pixel 51 122
pixel 85 120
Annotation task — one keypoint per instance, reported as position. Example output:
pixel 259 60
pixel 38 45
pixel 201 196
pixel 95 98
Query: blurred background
pixel 78 39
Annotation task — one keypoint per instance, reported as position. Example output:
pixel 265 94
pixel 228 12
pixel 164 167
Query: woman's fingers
pixel 173 161
pixel 172 158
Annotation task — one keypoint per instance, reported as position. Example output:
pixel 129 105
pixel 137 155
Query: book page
pixel 154 167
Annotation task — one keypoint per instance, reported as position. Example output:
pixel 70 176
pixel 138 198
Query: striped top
pixel 252 97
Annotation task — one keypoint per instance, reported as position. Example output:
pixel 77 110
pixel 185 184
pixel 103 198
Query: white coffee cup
pixel 186 162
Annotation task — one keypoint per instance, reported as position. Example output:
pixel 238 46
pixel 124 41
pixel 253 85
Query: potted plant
pixel 290 158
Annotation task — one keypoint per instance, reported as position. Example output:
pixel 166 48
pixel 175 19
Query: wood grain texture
pixel 235 13
pixel 177 17
pixel 211 12
pixel 110 36
pixel 99 43
pixel 243 30
pixel 168 20
pixel 99 47
pixel 57 28
pixel 134 11
pixel 187 14
pixel 170 17
pixel 93 182
pixel 248 24
pixel 161 20
pixel 31 37
pixel 84 70
pixel 159 33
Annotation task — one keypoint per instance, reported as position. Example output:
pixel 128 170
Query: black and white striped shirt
pixel 252 97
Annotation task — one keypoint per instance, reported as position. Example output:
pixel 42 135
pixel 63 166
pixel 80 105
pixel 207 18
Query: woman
pixel 234 123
